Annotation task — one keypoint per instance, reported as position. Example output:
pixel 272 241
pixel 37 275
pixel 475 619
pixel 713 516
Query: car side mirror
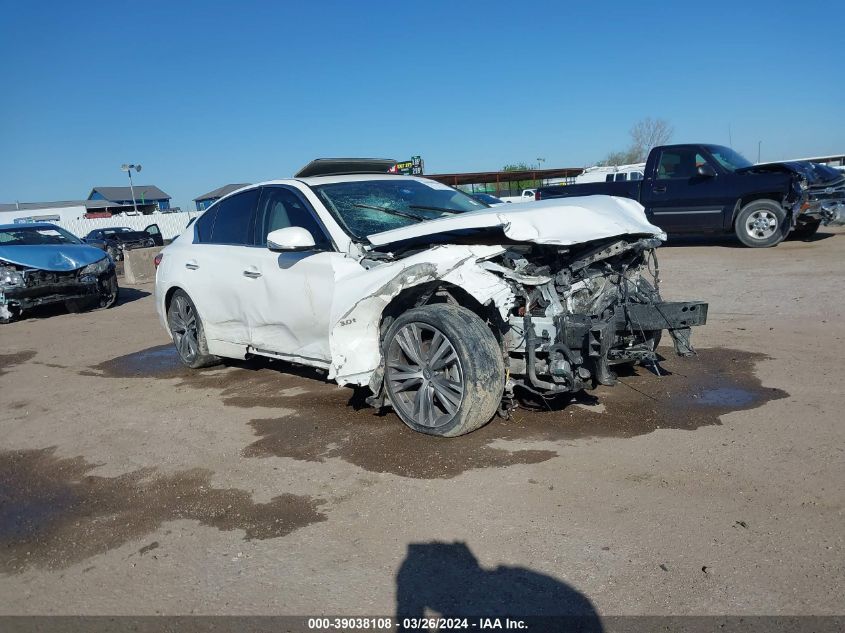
pixel 291 238
pixel 706 171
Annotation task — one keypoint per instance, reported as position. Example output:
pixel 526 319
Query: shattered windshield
pixel 365 207
pixel 31 236
pixel 728 158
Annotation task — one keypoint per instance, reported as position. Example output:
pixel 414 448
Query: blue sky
pixel 207 93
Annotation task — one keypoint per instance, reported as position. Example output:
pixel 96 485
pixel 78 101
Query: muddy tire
pixel 187 332
pixel 805 230
pixel 761 224
pixel 444 372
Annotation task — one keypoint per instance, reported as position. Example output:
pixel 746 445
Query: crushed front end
pixel 582 309
pixel 826 202
pixel 23 288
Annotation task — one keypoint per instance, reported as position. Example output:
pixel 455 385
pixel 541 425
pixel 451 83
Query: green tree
pixel 520 184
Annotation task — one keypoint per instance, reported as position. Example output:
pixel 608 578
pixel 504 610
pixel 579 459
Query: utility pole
pixel 128 169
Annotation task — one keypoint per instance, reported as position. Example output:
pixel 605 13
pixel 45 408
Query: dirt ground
pixel 129 485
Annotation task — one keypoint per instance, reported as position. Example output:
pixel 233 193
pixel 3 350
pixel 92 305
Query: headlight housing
pixel 10 277
pixel 98 267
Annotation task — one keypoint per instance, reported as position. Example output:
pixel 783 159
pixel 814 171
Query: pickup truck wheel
pixel 444 372
pixel 187 331
pixel 761 223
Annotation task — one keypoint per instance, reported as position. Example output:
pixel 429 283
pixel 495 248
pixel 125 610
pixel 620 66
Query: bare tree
pixel 646 134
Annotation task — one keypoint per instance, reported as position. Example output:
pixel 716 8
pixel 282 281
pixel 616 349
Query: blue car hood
pixel 57 258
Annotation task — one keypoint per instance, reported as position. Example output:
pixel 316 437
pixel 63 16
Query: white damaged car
pixel 442 306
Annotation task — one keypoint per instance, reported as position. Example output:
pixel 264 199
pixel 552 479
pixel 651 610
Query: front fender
pixel 355 337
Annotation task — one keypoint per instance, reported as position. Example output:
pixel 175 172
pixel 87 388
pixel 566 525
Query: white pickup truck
pixel 527 196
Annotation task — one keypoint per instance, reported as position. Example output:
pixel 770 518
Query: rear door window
pixel 204 224
pixel 235 214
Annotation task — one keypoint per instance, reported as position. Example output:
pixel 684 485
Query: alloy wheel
pixel 761 224
pixel 183 326
pixel 425 375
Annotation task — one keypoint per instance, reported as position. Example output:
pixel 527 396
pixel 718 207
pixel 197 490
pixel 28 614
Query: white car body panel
pixel 362 295
pixel 324 309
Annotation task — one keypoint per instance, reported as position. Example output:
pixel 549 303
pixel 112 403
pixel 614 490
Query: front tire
pixel 761 224
pixel 187 332
pixel 109 291
pixel 444 371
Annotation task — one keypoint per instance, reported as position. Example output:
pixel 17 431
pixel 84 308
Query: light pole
pixel 759 143
pixel 128 169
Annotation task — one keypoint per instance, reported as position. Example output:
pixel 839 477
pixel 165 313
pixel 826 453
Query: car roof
pixel 338 166
pixel 28 225
pixel 314 181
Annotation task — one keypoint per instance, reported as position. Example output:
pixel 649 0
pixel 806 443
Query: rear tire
pixel 761 224
pixel 188 333
pixel 444 371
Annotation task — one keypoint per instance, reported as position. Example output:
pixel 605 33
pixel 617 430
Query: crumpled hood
pixel 560 221
pixel 814 173
pixel 56 258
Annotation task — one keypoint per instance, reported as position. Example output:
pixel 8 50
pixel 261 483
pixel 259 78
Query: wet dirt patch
pixel 257 382
pixel 333 422
pixel 7 361
pixel 160 361
pixel 692 393
pixel 53 513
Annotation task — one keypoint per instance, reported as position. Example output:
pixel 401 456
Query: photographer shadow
pixel 445 578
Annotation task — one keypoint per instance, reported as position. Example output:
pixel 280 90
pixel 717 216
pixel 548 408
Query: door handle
pixel 659 190
pixel 252 274
pixel 191 265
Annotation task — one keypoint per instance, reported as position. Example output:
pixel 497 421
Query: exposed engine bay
pixel 582 309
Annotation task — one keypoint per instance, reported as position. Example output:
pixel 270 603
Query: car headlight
pixel 10 277
pixel 98 267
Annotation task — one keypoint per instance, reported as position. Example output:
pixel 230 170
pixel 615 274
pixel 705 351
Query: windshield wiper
pixel 401 214
pixel 443 209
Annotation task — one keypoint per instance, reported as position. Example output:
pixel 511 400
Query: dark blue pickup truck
pixel 713 189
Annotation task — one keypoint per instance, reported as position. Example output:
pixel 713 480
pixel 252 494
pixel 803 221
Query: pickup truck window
pixel 678 163
pixel 728 158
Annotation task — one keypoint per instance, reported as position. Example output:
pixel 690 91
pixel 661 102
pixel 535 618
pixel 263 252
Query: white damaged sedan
pixel 442 306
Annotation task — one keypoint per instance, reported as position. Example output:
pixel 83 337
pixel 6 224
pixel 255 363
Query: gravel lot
pixel 129 485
